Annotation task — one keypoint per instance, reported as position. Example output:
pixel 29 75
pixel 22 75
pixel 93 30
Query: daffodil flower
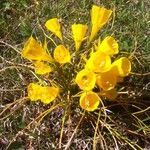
pixel 121 67
pixel 42 68
pixel 109 46
pixel 53 25
pixel 98 71
pixel 99 17
pixel 34 91
pixel 106 80
pixel 44 93
pixel 62 55
pixel 49 94
pixel 98 62
pixel 34 51
pixel 86 80
pixel 78 31
pixel 89 101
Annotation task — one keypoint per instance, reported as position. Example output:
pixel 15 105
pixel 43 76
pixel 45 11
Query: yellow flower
pixel 98 62
pixel 44 93
pixel 42 68
pixel 86 80
pixel 109 46
pixel 111 94
pixel 53 25
pixel 99 17
pixel 33 51
pixel 106 80
pixel 61 54
pixel 48 94
pixel 34 91
pixel 121 67
pixel 78 31
pixel 89 101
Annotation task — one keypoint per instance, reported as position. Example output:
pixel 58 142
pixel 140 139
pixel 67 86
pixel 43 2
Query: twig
pixel 75 130
pixel 39 117
pixel 140 74
pixel 9 46
pixel 97 123
pixel 144 110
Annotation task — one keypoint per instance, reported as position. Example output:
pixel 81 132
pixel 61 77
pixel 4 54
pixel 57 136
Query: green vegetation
pixel 123 124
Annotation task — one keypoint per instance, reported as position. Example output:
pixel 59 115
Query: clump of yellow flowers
pixel 97 70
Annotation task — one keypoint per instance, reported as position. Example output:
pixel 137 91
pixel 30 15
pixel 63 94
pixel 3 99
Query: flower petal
pixel 49 94
pixel 98 62
pixel 121 67
pixel 89 101
pixel 106 80
pixel 33 51
pixel 78 31
pixel 99 17
pixel 86 80
pixel 42 68
pixel 53 25
pixel 44 93
pixel 61 54
pixel 109 46
pixel 34 91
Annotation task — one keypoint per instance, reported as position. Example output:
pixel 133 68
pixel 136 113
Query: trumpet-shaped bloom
pixel 98 62
pixel 106 80
pixel 34 91
pixel 78 31
pixel 61 54
pixel 42 68
pixel 86 80
pixel 34 51
pixel 53 25
pixel 121 67
pixel 44 93
pixel 111 94
pixel 99 17
pixel 109 46
pixel 89 101
pixel 49 94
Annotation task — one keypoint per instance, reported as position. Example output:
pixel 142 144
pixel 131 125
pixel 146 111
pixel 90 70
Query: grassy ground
pixel 118 125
